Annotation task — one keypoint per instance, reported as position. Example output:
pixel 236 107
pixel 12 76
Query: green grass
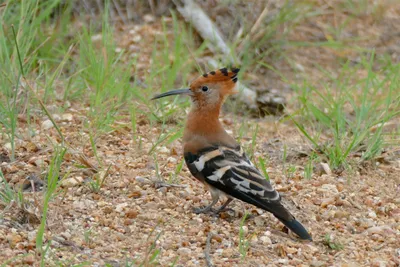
pixel 346 115
pixel 329 242
pixel 53 177
pixel 244 243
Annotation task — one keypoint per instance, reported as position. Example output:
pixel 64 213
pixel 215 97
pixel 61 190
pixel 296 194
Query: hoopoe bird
pixel 216 159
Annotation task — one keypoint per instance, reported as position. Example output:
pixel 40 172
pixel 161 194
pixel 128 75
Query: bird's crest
pixel 221 75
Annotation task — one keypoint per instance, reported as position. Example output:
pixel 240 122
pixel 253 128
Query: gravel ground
pixel 360 211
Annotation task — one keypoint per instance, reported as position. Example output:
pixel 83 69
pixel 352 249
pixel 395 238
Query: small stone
pixel 72 181
pixel 13 239
pixel 148 18
pixel 142 180
pixel 217 238
pixel 326 169
pixel 29 259
pixel 131 214
pixel 317 201
pixel 108 210
pixel 67 235
pixel 372 214
pixel 8 146
pixel 102 204
pixel 67 117
pixel 135 194
pixel 39 162
pixel 259 221
pixel 254 239
pixel 228 252
pixel 120 207
pixel 266 240
pixel 366 223
pixel 184 251
pixel 171 160
pixel 329 188
pixel 136 38
pixel 380 230
pixel 83 204
pixel 32 235
pixel 163 150
pixel 283 261
pixel 96 37
pixel 327 201
pixel 47 124
pixel 316 263
pixel 341 214
pixel 56 117
pixel 32 147
pixel 340 187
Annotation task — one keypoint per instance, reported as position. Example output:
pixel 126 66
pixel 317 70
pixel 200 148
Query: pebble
pixel 266 240
pixel 219 251
pixel 67 235
pixel 102 204
pixel 8 146
pixel 72 181
pixel 341 214
pixel 316 263
pixel 120 207
pixel 329 188
pixel 47 124
pixel 131 214
pixel 380 230
pixel 163 150
pixel 83 204
pixel 32 235
pixel 29 259
pixel 172 160
pixel 259 221
pixel 228 252
pixel 67 117
pixel 13 239
pixel 327 201
pixel 142 180
pixel 184 251
pixel 283 261
pixel 326 168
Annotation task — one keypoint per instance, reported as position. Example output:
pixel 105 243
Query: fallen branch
pixel 159 184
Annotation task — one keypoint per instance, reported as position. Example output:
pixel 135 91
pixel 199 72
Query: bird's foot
pixel 206 209
pixel 222 209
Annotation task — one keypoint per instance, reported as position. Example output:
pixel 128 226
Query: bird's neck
pixel 204 121
pixel 204 129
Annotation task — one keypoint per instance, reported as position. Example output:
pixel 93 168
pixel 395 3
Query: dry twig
pixel 207 250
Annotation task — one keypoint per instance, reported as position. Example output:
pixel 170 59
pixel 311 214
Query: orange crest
pixel 219 76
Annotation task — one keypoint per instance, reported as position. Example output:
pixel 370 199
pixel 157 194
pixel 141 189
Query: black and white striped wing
pixel 230 170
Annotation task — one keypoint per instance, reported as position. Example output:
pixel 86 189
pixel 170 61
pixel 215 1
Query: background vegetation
pixel 92 62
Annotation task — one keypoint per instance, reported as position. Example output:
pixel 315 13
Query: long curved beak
pixel 186 91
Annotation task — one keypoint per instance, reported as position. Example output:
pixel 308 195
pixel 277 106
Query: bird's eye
pixel 204 88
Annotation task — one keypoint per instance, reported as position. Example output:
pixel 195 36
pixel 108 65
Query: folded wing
pixel 230 170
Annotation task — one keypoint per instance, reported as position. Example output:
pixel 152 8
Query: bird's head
pixel 210 89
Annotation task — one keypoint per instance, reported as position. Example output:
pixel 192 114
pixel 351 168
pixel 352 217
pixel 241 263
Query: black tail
pixel 297 228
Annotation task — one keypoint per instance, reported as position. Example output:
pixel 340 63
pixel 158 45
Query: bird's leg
pixel 207 208
pixel 223 207
pixel 215 198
